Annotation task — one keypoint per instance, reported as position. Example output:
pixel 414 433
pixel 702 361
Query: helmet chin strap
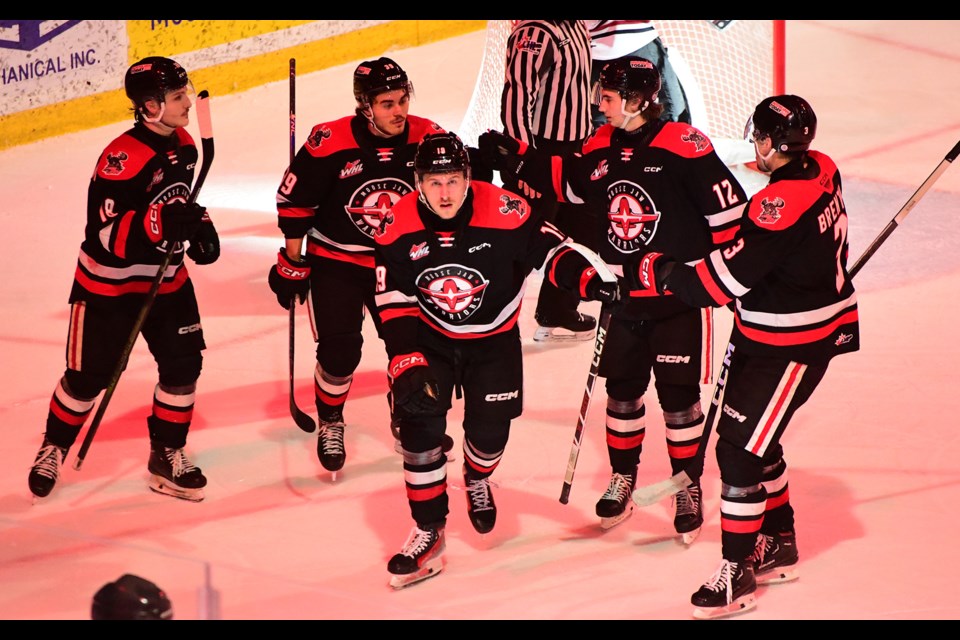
pixel 368 114
pixel 628 115
pixel 159 115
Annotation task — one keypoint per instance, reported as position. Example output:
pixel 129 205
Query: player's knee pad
pixel 180 371
pixel 84 386
pixel 632 407
pixel 421 437
pixel 738 467
pixel 678 397
pixel 488 436
pixel 340 355
pixel 627 390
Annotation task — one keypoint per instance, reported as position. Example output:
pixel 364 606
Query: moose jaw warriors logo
pixel 512 205
pixel 632 215
pixel 114 163
pixel 771 210
pixel 452 292
pixel 371 206
pixel 317 137
pixel 697 138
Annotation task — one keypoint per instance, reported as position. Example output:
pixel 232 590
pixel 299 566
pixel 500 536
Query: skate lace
pixel 722 580
pixel 419 541
pixel 619 487
pixel 48 461
pixel 479 493
pixel 180 465
pixel 687 501
pixel 331 438
pixel 764 544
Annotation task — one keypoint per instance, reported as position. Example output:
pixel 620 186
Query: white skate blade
pixel 559 334
pixel 429 570
pixel 609 523
pixel 779 575
pixel 654 493
pixel 688 537
pixel 160 485
pixel 740 605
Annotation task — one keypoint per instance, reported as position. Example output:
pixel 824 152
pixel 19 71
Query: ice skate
pixel 330 449
pixel 729 591
pixel 615 505
pixel 577 328
pixel 420 558
pixel 689 513
pixel 480 505
pixel 46 469
pixel 775 558
pixel 446 444
pixel 173 474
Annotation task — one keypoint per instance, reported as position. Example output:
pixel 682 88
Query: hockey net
pixel 726 67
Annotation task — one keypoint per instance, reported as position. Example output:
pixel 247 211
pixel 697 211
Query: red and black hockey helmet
pixel 373 77
pixel 441 153
pixel 131 598
pixel 631 77
pixel 788 120
pixel 151 78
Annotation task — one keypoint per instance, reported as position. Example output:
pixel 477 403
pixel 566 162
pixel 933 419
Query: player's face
pixel 389 112
pixel 611 106
pixel 444 192
pixel 763 148
pixel 176 108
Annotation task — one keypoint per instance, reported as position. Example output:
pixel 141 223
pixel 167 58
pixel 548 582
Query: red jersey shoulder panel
pixel 420 127
pixel 599 140
pixel 184 138
pixel 496 208
pixel 123 158
pixel 327 138
pixel 683 140
pixel 780 204
pixel 404 219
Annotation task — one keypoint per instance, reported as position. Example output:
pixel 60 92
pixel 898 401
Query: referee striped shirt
pixel 546 91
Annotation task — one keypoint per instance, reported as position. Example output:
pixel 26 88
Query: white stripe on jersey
pixel 122 273
pixel 798 319
pixel 736 289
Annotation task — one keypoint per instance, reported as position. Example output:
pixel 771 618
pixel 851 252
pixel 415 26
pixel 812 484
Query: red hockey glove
pixel 414 391
pixel 289 279
pixel 650 273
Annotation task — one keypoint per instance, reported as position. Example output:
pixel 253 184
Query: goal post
pixel 726 67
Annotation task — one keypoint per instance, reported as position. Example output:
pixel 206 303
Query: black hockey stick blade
pixel 206 140
pixel 654 493
pixel 304 421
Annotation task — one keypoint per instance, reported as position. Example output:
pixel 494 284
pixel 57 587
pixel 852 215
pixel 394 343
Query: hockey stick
pixel 914 199
pixel 206 140
pixel 303 421
pixel 652 493
pixel 602 327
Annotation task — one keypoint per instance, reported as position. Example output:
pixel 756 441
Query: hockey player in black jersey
pixel 338 191
pixel 795 309
pixel 662 187
pixel 136 206
pixel 452 262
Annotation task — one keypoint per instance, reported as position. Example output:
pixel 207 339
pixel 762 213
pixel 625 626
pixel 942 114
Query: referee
pixel 546 103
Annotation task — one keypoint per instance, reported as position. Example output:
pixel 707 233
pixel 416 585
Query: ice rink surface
pixel 874 456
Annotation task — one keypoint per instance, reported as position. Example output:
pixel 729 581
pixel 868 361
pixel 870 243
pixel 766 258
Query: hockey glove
pixel 173 221
pixel 289 279
pixel 502 152
pixel 650 273
pixel 592 287
pixel 205 245
pixel 414 390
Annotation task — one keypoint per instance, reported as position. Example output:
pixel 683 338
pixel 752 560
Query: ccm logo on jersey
pixel 190 328
pixel 500 397
pixel 482 245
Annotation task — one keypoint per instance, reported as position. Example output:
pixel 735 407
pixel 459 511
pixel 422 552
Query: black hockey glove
pixel 502 152
pixel 651 272
pixel 289 279
pixel 592 287
pixel 205 244
pixel 173 221
pixel 414 390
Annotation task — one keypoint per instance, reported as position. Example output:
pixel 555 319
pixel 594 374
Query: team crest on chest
pixel 452 292
pixel 371 206
pixel 632 217
pixel 770 210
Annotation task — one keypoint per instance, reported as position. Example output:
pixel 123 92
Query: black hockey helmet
pixel 373 77
pixel 788 120
pixel 151 78
pixel 631 77
pixel 441 153
pixel 131 598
